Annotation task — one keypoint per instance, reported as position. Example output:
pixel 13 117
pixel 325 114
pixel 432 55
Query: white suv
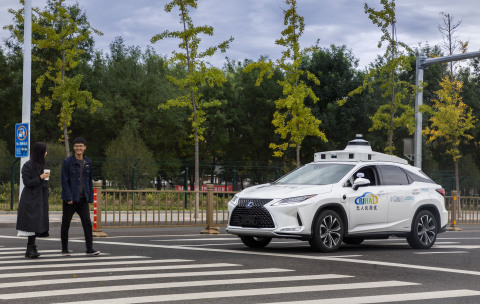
pixel 343 196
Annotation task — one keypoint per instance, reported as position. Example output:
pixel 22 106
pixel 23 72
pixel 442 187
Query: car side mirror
pixel 360 182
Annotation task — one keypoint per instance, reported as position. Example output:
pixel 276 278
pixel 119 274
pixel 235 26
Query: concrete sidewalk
pixel 8 219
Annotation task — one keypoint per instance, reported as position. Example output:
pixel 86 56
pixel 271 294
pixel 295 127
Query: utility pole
pixel 27 79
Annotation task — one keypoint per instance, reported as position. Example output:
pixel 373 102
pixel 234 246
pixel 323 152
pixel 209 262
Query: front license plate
pixel 248 220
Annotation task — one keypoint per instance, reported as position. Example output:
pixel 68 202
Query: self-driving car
pixel 342 196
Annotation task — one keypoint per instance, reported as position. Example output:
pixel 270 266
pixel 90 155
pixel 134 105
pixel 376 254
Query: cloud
pixel 256 25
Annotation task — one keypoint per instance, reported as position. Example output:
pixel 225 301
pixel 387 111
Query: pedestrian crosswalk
pixel 142 279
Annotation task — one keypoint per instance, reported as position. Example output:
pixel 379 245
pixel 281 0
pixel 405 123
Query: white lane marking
pixel 240 243
pixel 5 252
pixel 126 268
pixel 443 252
pixel 13 248
pixel 68 265
pixel 57 281
pixel 458 238
pixel 406 244
pixel 69 259
pixel 457 246
pixel 246 292
pixel 400 297
pixel 199 239
pixel 151 236
pixel 221 244
pixel 308 257
pixel 21 254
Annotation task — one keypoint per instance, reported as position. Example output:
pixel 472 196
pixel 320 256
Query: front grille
pixel 255 216
pixel 256 201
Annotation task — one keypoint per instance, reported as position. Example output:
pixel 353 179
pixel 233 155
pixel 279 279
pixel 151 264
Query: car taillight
pixel 441 191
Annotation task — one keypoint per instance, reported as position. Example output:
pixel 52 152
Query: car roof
pixel 357 150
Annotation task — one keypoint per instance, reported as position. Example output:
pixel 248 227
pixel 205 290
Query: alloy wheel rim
pixel 426 230
pixel 330 231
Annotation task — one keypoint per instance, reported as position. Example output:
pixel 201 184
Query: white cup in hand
pixel 47 171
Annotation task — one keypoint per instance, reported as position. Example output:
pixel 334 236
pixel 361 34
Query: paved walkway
pixel 9 219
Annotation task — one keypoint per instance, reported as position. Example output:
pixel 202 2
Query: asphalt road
pixel 179 265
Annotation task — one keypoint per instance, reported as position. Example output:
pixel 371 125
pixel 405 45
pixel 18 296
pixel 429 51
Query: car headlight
pixel 293 200
pixel 234 200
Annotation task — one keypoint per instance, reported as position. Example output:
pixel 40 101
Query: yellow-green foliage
pixel 198 74
pixel 56 31
pixel 292 119
pixel 398 110
pixel 451 118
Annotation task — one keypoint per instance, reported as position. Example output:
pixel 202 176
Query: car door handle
pixel 381 193
pixel 416 191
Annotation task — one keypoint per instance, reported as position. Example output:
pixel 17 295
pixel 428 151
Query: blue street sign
pixel 21 140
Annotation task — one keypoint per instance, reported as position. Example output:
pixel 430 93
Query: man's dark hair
pixel 80 140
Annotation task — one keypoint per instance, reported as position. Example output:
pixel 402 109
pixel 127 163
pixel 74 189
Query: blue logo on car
pixel 249 205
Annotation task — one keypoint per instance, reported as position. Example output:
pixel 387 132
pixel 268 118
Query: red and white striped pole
pixel 95 209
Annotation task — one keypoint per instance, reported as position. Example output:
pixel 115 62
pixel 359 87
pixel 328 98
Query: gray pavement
pixel 8 219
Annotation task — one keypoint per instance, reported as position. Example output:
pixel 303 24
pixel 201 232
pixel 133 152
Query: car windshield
pixel 316 174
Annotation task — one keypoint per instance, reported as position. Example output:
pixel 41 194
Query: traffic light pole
pixel 422 63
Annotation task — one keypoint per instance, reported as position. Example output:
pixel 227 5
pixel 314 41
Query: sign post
pixel 21 140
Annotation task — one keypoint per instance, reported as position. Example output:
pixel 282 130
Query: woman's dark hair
pixel 38 155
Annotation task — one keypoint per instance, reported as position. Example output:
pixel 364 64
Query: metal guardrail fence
pixel 466 211
pixel 155 208
pixel 147 208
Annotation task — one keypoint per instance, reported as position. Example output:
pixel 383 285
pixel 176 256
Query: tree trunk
pixel 298 155
pixel 65 129
pixel 457 187
pixel 392 113
pixel 65 136
pixel 197 158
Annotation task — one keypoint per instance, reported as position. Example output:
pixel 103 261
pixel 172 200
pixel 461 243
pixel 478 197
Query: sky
pixel 256 24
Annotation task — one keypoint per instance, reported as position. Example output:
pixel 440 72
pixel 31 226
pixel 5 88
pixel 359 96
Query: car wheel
pixel 255 241
pixel 424 231
pixel 327 232
pixel 353 240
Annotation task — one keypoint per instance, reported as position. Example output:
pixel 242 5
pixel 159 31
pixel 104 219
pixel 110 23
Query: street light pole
pixel 422 63
pixel 27 79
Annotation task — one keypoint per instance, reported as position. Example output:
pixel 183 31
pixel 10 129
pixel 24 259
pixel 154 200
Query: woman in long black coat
pixel 32 216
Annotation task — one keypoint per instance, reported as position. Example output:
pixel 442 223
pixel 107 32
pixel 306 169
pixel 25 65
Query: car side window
pixel 393 175
pixel 368 172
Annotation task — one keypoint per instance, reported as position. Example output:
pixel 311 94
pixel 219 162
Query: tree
pixel 56 30
pixel 450 120
pixel 336 68
pixel 198 74
pixel 6 161
pixel 450 40
pixel 398 111
pixel 123 154
pixel 293 120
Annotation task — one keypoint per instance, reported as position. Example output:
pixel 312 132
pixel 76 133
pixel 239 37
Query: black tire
pixel 327 232
pixel 255 241
pixel 353 240
pixel 424 231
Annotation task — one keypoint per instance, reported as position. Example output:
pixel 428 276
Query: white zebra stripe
pixel 190 296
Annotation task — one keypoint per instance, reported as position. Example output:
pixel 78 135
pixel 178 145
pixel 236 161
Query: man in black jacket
pixel 77 193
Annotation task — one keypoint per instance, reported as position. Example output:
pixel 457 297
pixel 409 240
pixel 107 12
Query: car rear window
pixel 419 178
